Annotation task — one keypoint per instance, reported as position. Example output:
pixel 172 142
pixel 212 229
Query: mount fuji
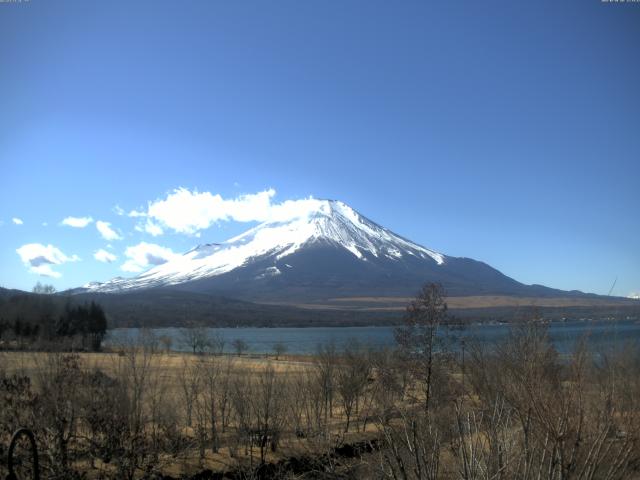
pixel 327 250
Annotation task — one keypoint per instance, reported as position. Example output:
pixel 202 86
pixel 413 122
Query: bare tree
pixel 541 416
pixel 167 342
pixel 279 349
pixel 351 378
pixel 240 395
pixel 390 382
pixel 314 402
pixel 190 386
pixel 60 385
pixel 195 338
pixel 240 346
pixel 268 412
pixel 326 361
pixel 214 375
pixel 102 407
pixel 217 343
pixel 418 336
pixel 411 448
pixel 134 372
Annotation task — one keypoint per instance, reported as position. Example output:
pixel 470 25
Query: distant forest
pixel 40 318
pixel 45 314
pixel 160 308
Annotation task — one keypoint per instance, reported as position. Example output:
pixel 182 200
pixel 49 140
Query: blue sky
pixel 508 132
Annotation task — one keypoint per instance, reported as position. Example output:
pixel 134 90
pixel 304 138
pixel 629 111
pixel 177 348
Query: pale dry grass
pixel 169 370
pixel 466 302
pixel 171 364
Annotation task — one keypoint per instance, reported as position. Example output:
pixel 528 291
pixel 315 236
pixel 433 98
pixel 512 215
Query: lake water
pixel 602 335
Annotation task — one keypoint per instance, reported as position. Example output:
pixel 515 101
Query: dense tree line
pixel 85 321
pixel 42 319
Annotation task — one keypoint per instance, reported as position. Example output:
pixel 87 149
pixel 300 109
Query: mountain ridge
pixel 323 250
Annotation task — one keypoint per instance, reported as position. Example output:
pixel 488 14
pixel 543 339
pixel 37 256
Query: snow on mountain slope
pixel 320 222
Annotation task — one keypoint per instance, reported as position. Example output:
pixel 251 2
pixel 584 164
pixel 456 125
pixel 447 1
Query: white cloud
pixel 118 210
pixel 190 212
pixel 106 231
pixel 289 209
pixel 136 214
pixel 153 228
pixel 145 255
pixel 17 221
pixel 634 295
pixel 149 227
pixel 186 211
pixel 104 256
pixel 77 222
pixel 40 258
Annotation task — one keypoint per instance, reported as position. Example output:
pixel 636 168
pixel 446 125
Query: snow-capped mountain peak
pixel 314 222
pixel 332 221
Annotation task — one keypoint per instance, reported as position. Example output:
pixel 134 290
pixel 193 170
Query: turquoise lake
pixel 601 335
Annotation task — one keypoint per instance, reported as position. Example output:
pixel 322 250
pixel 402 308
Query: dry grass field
pixel 171 364
pixel 185 387
pixel 391 304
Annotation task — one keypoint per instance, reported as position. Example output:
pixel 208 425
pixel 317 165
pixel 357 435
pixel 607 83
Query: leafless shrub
pixel 239 346
pixel 190 386
pixel 267 406
pixel 214 377
pixel 59 383
pixel 19 406
pixel 542 416
pixel 351 379
pixel 326 362
pixel 411 447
